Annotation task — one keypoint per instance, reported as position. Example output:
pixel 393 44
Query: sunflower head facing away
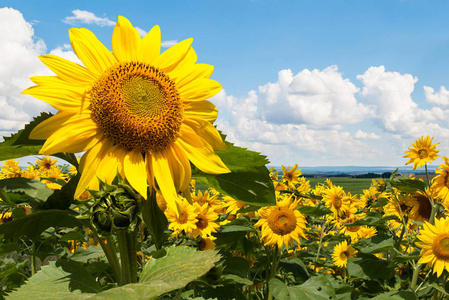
pixel 422 152
pixel 434 244
pixel 132 109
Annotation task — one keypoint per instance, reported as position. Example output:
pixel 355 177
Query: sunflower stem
pixel 416 271
pixel 127 243
pixel 33 259
pixel 108 248
pixel 320 245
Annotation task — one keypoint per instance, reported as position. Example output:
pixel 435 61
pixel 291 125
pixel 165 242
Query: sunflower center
pixel 201 222
pixel 440 246
pixel 282 221
pixel 336 202
pixel 425 208
pixel 137 106
pixel 422 153
pixel 182 219
pixel 344 255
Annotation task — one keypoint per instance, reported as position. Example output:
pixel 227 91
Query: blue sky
pixel 310 82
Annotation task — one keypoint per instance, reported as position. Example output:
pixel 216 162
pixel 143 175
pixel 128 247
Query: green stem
pixel 320 245
pixel 109 251
pixel 416 271
pixel 124 248
pixel 274 267
pixel 33 259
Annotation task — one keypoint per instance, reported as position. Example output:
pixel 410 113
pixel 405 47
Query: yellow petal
pixel 164 179
pixel 60 96
pixel 181 167
pixel 151 45
pixel 111 164
pixel 125 40
pixel 200 153
pixel 207 131
pixel 190 73
pixel 135 172
pixel 199 89
pixel 173 55
pixel 67 70
pixel 89 164
pixel 94 55
pixel 45 128
pixel 202 109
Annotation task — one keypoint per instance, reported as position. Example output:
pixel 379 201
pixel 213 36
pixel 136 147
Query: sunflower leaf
pixel 317 287
pixel 19 145
pixel 249 180
pixel 62 279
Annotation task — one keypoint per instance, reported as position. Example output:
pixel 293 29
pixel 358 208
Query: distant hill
pixel 357 170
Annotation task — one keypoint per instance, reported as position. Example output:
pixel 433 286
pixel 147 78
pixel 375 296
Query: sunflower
pixel 11 169
pixel 133 110
pixel 46 163
pixel 421 152
pixel 336 200
pixel 421 207
pixel 184 221
pixel 341 253
pixel 206 198
pixel 440 183
pixel 205 221
pixel 434 242
pixel 291 175
pixel 281 223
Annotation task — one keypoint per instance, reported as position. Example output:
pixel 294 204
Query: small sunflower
pixel 281 223
pixel 420 206
pixel 232 206
pixel 440 183
pixel 11 169
pixel 291 175
pixel 434 242
pixel 206 198
pixel 205 221
pixel 341 253
pixel 45 164
pixel 133 110
pixel 185 221
pixel 422 152
pixel 336 200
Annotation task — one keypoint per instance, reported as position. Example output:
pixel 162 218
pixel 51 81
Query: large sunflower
pixel 336 200
pixel 341 253
pixel 131 109
pixel 434 242
pixel 281 223
pixel 422 152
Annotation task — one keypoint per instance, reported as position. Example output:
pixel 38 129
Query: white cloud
pixel 169 43
pixel 66 52
pixel 362 135
pixel 318 98
pixel 87 17
pixel 396 112
pixel 440 98
pixel 141 32
pixel 19 51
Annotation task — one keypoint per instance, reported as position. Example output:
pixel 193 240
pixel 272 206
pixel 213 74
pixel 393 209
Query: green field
pixel 353 185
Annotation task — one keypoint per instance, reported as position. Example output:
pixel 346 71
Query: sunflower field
pixel 143 198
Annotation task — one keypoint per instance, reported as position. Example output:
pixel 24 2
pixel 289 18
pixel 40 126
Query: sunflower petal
pixel 173 55
pixel 151 45
pixel 207 131
pixel 164 178
pixel 135 172
pixel 61 97
pixel 45 128
pixel 125 40
pixel 200 153
pixel 205 110
pixel 199 89
pixel 68 70
pixel 94 55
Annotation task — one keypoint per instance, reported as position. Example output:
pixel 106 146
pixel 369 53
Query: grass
pixel 353 185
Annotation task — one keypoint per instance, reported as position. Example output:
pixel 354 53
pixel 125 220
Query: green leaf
pixel 316 288
pixel 84 255
pixel 378 243
pixel 369 267
pixel 62 279
pixel 34 224
pixel 63 198
pixel 408 185
pixel 399 295
pixel 295 266
pixel 373 218
pixel 318 210
pixel 180 266
pixel 234 231
pixel 31 187
pixel 249 180
pixel 237 266
pixel 19 144
pixel 155 220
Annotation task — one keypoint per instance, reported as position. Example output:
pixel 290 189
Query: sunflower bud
pixel 116 206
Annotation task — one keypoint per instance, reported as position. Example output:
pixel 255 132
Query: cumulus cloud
pixel 87 17
pixel 362 135
pixel 440 98
pixel 396 112
pixel 318 98
pixel 168 43
pixel 19 51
